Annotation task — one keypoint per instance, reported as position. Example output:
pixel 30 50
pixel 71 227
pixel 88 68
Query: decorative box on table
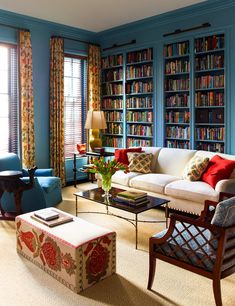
pixel 77 253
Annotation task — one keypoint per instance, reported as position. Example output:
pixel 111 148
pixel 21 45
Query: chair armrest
pixel 39 172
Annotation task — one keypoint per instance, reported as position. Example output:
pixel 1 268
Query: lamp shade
pixel 95 120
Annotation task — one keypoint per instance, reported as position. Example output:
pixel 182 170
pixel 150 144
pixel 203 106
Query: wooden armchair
pixel 205 245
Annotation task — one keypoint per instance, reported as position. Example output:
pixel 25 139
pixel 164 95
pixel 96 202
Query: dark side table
pixel 91 156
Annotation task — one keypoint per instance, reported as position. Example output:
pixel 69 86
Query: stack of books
pixel 132 198
pixel 51 217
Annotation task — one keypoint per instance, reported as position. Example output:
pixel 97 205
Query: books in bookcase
pixel 62 218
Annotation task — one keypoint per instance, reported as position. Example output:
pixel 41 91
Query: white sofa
pixel 166 180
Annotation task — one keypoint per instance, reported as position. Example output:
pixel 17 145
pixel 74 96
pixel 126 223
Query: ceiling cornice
pixel 171 17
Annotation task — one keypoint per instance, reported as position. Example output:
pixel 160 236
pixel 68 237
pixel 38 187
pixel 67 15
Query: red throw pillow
pixel 121 154
pixel 218 169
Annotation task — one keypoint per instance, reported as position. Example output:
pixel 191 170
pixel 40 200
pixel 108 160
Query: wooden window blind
pixel 75 102
pixel 9 102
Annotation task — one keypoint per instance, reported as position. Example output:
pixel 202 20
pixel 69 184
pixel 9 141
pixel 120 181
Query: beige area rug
pixel 24 284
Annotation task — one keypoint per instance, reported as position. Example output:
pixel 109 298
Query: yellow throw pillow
pixel 195 168
pixel 139 162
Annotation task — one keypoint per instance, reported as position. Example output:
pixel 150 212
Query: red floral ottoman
pixel 78 253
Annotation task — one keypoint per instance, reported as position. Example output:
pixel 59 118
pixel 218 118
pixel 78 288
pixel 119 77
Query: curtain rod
pixel 13 27
pixel 78 40
pixel 179 31
pixel 133 41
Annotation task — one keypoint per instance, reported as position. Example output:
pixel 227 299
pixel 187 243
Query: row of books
pixel 139 116
pixel 112 75
pixel 112 103
pixel 178 132
pixel 177 66
pixel 211 115
pixel 209 81
pixel 178 144
pixel 210 61
pixel 212 147
pixel 210 98
pixel 139 72
pixel 177 117
pixel 114 128
pixel 210 133
pixel 139 102
pixel 112 60
pixel 209 43
pixel 109 141
pixel 140 56
pixel 176 84
pixel 132 142
pixel 176 49
pixel 177 100
pixel 132 198
pixel 114 116
pixel 112 89
pixel 139 87
pixel 140 130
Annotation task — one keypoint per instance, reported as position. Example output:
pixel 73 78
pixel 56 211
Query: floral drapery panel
pixel 26 99
pixel 94 77
pixel 57 159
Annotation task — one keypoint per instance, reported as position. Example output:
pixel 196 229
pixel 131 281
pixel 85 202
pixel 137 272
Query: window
pixel 75 101
pixel 9 108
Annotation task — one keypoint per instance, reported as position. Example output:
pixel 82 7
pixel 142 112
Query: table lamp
pixel 95 121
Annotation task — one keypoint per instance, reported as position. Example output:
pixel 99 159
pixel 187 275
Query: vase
pixel 106 185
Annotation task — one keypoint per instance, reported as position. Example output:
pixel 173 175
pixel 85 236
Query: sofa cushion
pixel 139 162
pixel 153 182
pixel 123 179
pixel 195 191
pixel 172 161
pixel 121 154
pixel 49 183
pixel 155 151
pixel 195 167
pixel 218 169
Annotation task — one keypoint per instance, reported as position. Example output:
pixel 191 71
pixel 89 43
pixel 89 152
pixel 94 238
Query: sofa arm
pixel 39 172
pixel 227 186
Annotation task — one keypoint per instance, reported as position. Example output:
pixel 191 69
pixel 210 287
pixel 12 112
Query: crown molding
pixel 170 17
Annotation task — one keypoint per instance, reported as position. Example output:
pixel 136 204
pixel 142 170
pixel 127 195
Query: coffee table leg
pixel 136 231
pixel 166 214
pixel 76 205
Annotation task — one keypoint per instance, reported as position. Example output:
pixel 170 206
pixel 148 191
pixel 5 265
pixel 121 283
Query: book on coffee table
pixel 132 195
pixel 132 203
pixel 62 218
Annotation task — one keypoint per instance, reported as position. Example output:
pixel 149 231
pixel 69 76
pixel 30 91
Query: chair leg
pixel 217 291
pixel 152 268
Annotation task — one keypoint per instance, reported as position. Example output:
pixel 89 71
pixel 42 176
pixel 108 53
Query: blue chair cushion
pixel 224 213
pixel 189 243
pixel 49 183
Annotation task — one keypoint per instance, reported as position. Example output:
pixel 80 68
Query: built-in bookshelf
pixel 177 94
pixel 112 100
pixel 139 98
pixel 136 128
pixel 209 93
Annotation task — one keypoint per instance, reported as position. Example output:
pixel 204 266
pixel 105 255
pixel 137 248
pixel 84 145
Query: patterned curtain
pixel 57 160
pixel 27 100
pixel 94 77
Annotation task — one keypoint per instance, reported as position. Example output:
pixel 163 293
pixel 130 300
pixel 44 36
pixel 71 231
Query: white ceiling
pixel 93 15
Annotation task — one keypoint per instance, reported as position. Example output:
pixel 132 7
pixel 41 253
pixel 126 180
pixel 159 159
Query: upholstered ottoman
pixel 77 253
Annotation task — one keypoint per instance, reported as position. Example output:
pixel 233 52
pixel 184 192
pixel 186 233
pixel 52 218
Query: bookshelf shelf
pixel 127 89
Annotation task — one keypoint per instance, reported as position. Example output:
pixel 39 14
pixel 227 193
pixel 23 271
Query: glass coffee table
pixel 96 195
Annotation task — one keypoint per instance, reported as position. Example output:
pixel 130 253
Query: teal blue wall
pixel 41 31
pixel 149 33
